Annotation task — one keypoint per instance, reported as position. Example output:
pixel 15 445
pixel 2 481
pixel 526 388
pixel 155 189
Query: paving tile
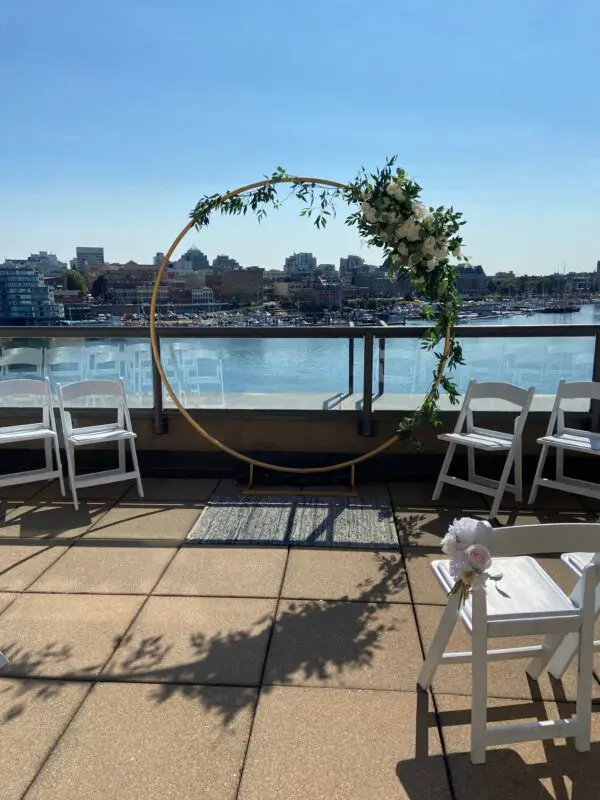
pixel 428 526
pixel 546 499
pixel 551 770
pixel 50 635
pixel 50 520
pixel 139 521
pixel 33 714
pixel 20 492
pixel 411 494
pixel 343 574
pixel 131 741
pixel 21 564
pixel 196 640
pixel 195 491
pixel 6 598
pixel 505 678
pixel 103 492
pixel 105 570
pixel 426 589
pixel 225 572
pixel 340 744
pixel 344 644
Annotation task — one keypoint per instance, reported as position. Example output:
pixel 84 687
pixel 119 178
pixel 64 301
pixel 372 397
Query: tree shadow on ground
pixel 311 641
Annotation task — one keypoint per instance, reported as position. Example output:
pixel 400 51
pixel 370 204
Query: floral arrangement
pixel 417 242
pixel 470 560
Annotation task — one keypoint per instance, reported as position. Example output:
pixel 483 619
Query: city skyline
pixel 479 109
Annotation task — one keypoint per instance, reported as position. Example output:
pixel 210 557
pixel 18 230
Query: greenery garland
pixel 417 242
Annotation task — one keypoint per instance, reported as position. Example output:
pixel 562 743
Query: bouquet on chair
pixel 469 561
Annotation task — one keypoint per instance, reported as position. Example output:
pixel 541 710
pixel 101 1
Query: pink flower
pixel 478 557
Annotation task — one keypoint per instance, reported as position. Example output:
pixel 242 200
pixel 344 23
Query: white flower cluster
pixel 413 234
pixel 470 559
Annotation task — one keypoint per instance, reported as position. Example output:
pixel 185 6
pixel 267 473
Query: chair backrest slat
pixel 17 387
pixel 75 391
pixel 555 537
pixel 500 391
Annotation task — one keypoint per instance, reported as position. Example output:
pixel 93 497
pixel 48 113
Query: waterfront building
pixel 326 271
pixel 25 299
pixel 244 285
pixel 158 259
pixel 300 264
pixel 471 280
pixel 351 266
pixel 87 255
pixel 222 263
pixel 47 264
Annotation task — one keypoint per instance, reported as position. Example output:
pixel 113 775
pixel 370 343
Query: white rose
pixel 440 253
pixel 399 194
pixel 412 231
pixel 402 249
pixel 419 211
pixel 391 188
pixel 431 264
pixel 428 220
pixel 429 246
pixel 365 207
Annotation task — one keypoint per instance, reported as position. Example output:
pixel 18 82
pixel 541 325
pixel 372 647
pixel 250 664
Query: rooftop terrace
pixel 143 666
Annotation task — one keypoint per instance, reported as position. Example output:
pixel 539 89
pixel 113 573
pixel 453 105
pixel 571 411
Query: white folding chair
pixel 476 438
pixel 22 362
pixel 22 391
pixel 564 438
pixel 119 431
pixel 525 602
pixel 64 364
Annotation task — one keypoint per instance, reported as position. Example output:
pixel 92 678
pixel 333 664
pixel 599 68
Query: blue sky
pixel 117 116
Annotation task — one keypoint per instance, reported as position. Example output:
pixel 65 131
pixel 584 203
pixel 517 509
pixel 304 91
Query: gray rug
pixel 268 520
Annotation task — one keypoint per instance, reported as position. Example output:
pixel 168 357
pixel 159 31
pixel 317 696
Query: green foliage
pixel 75 280
pixel 381 200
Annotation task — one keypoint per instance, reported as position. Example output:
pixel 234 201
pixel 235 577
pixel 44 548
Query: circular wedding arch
pixel 252 462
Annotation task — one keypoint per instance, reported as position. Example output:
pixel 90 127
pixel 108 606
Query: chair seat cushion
pixel 25 433
pixel 479 440
pixel 525 590
pixel 570 441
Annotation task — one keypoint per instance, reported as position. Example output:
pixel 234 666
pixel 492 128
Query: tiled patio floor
pixel 144 667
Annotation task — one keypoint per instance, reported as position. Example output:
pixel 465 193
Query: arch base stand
pixel 295 491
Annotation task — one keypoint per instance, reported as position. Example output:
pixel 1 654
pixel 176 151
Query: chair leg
pixel 444 471
pixel 585 669
pixel 539 663
pixel 478 687
pixel 565 650
pixel 61 480
pixel 471 464
pixel 71 471
pixel 440 640
pixel 560 460
pixel 136 468
pixel 502 485
pixel 538 474
pixel 122 463
pixel 519 474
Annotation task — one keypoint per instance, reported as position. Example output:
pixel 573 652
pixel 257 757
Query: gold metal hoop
pixel 253 462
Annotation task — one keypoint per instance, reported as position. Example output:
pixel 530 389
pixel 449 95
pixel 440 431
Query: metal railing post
pixel 350 366
pixel 381 381
pixel 157 398
pixel 367 409
pixel 595 404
